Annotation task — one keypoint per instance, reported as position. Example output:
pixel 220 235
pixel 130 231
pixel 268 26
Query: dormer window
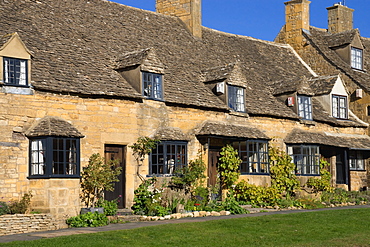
pixel 304 107
pixel 152 86
pixel 15 71
pixel 356 58
pixel 236 98
pixel 340 106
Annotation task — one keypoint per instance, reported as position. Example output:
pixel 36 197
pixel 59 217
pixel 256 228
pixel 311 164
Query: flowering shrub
pixel 147 200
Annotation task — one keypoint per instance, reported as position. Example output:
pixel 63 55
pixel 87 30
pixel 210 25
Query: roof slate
pixel 322 41
pixel 76 44
pixel 53 126
pixel 170 133
pixel 298 136
pixel 229 130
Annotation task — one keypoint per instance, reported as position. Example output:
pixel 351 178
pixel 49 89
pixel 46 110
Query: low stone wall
pixel 24 223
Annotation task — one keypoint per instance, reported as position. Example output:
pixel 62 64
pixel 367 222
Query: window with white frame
pixel 236 98
pixel 356 160
pixel 152 85
pixel 15 71
pixel 340 106
pixel 356 58
pixel 168 157
pixel 306 158
pixel 54 157
pixel 254 156
pixel 304 107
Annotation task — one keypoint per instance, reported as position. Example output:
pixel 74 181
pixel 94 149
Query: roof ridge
pixel 248 37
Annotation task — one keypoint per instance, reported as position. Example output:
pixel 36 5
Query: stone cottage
pixel 92 76
pixel 340 50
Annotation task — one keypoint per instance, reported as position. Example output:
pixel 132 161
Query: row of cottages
pixel 82 77
pixel 337 50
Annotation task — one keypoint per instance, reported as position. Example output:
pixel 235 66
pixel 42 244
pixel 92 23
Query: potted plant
pixel 99 176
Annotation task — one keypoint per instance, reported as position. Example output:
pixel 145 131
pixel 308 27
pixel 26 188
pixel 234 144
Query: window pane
pixel 305 107
pixel 254 156
pixel 168 157
pixel 152 85
pixel 306 159
pixel 236 98
pixel 15 71
pixel 38 157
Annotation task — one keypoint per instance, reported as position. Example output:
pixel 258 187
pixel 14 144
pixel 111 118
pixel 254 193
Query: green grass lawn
pixel 346 227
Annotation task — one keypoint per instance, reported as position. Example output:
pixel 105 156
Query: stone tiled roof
pixel 170 134
pixel 132 58
pixel 323 42
pixel 229 130
pixel 343 38
pixel 314 87
pixel 298 136
pixel 76 45
pixel 53 126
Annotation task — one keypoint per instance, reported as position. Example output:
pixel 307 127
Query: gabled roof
pixel 343 38
pixel 7 38
pixel 230 130
pixel 76 45
pixel 170 134
pixel 53 126
pixel 298 136
pixel 323 42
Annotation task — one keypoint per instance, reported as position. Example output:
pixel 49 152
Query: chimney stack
pixel 297 17
pixel 189 11
pixel 340 18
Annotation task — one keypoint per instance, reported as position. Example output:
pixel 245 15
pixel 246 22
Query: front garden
pixel 185 193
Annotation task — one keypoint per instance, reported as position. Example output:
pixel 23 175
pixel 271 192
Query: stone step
pixel 124 211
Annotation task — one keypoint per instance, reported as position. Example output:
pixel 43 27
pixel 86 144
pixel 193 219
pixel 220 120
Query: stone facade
pixel 98 95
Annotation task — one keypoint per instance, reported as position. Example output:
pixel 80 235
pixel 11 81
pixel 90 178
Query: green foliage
pixel 230 204
pixel 21 207
pixel 228 166
pixel 110 207
pixel 322 183
pixel 256 195
pixel 4 209
pixel 88 220
pixel 142 147
pixel 191 176
pixel 147 199
pixel 98 176
pixel 282 172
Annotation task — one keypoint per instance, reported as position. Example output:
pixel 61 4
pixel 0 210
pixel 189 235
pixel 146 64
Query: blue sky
pixel 263 19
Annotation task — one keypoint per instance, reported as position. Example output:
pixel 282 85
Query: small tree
pixel 142 147
pixel 191 176
pixel 99 176
pixel 282 172
pixel 228 167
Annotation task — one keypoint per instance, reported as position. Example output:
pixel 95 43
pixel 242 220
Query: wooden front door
pixel 213 156
pixel 113 152
pixel 340 169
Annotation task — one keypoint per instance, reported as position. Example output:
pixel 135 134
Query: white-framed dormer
pixel 339 100
pixel 15 65
pixel 144 71
pixel 336 101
